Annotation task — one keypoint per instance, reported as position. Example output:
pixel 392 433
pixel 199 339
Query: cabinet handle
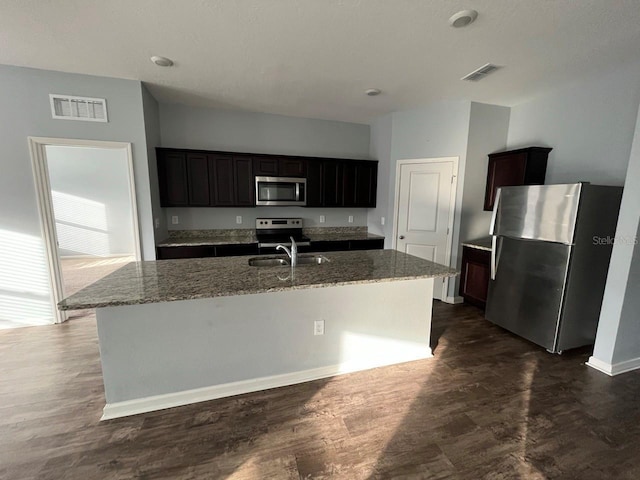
pixel 401 237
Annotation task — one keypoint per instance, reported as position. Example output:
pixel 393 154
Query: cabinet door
pixel 366 183
pixel 221 180
pixel 200 251
pixel 330 246
pixel 235 250
pixel 244 181
pixel 349 180
pixel 474 276
pixel 503 171
pixel 314 183
pixel 332 183
pixel 292 167
pixel 265 166
pixel 198 179
pixel 172 176
pixel 369 244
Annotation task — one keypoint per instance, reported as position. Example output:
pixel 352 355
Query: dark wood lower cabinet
pixel 474 276
pixel 238 249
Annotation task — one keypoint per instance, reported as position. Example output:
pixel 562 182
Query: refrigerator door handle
pixel 494 246
pixel 496 203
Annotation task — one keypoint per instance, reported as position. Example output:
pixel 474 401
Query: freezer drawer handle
pixel 493 256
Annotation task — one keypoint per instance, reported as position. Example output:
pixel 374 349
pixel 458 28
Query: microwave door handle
pixel 297 191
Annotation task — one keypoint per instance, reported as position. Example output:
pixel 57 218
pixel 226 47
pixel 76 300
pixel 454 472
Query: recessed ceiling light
pixel 372 92
pixel 463 18
pixel 162 61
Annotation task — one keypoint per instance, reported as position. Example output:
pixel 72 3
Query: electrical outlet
pixel 175 220
pixel 318 327
pixel 350 218
pixel 239 219
pixel 322 218
pixel 381 220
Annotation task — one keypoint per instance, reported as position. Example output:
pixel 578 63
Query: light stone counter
pixel 187 279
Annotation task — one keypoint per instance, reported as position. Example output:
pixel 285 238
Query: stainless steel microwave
pixel 283 191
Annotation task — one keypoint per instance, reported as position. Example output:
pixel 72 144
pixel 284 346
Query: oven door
pixel 281 191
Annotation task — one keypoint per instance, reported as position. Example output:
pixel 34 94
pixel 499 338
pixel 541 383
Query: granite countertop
pixel 479 244
pixel 186 279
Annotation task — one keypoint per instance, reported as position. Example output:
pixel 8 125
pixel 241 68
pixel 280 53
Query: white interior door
pixel 424 212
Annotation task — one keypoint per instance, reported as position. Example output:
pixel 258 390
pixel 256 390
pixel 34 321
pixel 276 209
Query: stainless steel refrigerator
pixel 551 246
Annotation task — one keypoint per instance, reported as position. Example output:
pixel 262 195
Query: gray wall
pixel 189 127
pixel 618 337
pixel 151 112
pixel 212 218
pixel 92 200
pixel 25 111
pixel 589 124
pixel 439 130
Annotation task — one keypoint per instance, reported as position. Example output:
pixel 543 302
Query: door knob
pixel 401 237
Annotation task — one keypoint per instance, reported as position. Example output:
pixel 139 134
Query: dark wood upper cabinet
pixel 292 167
pixel 198 179
pixel 244 181
pixel 265 166
pixel 359 184
pixel 332 183
pixel 526 166
pixel 172 176
pixel 314 183
pixel 221 180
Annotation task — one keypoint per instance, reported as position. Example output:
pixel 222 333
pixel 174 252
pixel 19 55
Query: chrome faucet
pixel 293 252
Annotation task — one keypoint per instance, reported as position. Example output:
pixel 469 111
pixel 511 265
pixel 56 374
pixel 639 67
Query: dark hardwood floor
pixel 489 405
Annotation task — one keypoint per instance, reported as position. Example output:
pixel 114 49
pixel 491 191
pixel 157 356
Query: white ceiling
pixel 315 58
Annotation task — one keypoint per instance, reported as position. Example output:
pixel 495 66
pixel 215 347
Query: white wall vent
pixel 78 108
pixel 480 73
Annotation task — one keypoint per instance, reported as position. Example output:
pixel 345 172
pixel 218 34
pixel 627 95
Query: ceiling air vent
pixel 78 108
pixel 480 73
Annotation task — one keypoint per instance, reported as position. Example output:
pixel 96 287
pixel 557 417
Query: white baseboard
pixel 615 368
pixel 176 399
pixel 453 300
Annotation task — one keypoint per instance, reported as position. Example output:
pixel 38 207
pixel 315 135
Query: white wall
pixel 25 111
pixel 618 337
pixel 91 200
pixel 589 125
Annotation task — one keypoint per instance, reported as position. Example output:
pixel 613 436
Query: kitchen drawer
pixel 370 244
pixel 236 250
pixel 199 251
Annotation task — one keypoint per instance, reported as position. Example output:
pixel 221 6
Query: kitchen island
pixel 175 332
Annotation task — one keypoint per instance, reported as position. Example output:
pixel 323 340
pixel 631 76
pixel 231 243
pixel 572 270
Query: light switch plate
pixel 318 327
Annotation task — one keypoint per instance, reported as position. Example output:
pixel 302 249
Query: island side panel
pixel 165 348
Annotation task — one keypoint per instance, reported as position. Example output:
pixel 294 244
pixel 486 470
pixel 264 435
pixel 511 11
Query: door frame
pixel 40 170
pixel 452 207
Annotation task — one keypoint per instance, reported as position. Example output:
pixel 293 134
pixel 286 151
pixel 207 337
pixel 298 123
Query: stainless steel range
pixel 272 232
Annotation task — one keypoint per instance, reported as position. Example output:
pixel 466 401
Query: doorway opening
pixel 86 196
pixel 424 210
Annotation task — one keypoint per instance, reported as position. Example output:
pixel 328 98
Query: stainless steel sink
pixel 303 260
pixel 268 262
pixel 312 260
